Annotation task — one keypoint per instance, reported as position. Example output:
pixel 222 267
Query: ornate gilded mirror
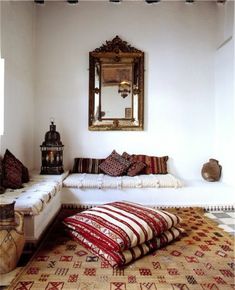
pixel 116 87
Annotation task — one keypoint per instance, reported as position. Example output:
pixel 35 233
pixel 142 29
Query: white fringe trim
pixel 230 207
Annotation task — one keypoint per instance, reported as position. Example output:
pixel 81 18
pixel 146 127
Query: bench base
pixel 198 193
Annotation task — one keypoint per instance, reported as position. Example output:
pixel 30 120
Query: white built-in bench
pixel 41 198
pixel 164 191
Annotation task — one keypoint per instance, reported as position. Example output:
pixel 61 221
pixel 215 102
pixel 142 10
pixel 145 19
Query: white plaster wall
pixel 179 42
pixel 17 48
pixel 225 94
pixel 225 116
pixel 225 20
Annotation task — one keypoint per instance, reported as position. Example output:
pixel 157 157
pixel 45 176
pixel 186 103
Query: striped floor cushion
pixel 120 259
pixel 119 226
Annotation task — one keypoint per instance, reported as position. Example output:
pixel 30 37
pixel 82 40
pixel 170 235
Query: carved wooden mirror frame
pixel 116 79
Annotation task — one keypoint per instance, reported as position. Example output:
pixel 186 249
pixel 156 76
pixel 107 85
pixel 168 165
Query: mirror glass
pixel 116 87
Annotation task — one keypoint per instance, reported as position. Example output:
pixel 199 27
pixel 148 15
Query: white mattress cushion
pixel 32 198
pixel 84 180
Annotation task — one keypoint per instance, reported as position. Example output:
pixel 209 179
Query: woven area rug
pixel 202 259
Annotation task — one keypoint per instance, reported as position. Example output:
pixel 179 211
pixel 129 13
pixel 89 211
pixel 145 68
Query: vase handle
pixel 20 227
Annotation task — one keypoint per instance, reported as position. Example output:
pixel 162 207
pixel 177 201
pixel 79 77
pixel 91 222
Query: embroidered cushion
pixel 136 166
pixel 118 226
pixel 2 189
pixel 154 165
pixel 87 165
pixel 14 172
pixel 115 164
pixel 118 259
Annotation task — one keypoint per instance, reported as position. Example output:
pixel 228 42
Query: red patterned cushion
pixel 1 176
pixel 136 166
pixel 127 156
pixel 118 259
pixel 154 165
pixel 87 165
pixel 25 174
pixel 118 226
pixel 115 164
pixel 14 172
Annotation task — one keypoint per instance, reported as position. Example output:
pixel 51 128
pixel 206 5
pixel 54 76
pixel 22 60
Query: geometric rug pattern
pixel 203 258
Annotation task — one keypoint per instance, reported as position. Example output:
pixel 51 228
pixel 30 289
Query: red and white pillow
pixel 114 228
pixel 121 258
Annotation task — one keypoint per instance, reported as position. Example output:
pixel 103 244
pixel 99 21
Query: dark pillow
pixel 2 189
pixel 14 172
pixel 136 166
pixel 87 165
pixel 127 156
pixel 115 164
pixel 25 174
pixel 154 165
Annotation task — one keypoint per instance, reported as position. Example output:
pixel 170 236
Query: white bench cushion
pixel 35 194
pixel 84 180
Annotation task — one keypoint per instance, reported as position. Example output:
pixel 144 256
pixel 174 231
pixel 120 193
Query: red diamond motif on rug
pixel 24 285
pixel 54 286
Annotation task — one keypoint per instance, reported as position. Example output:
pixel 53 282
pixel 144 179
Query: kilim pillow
pixel 115 164
pixel 118 226
pixel 119 259
pixel 87 165
pixel 136 166
pixel 25 174
pixel 14 172
pixel 154 165
pixel 1 175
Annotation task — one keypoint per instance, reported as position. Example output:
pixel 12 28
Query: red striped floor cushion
pixel 119 259
pixel 118 226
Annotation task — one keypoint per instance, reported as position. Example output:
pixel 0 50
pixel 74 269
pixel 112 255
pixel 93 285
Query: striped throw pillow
pixel 87 165
pixel 154 165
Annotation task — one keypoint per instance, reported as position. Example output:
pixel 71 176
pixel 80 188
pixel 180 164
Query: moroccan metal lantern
pixel 52 152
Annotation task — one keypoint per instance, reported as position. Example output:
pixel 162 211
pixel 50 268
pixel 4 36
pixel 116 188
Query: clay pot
pixel 211 171
pixel 11 237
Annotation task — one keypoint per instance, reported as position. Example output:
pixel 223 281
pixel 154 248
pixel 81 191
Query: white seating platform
pixel 209 195
pixel 41 199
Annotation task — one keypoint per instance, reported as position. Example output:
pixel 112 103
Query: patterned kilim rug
pixel 202 259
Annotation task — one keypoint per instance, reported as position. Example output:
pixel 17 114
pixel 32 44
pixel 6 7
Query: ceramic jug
pixel 11 237
pixel 211 171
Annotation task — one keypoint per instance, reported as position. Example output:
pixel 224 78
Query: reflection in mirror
pixel 116 90
pixel 116 87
